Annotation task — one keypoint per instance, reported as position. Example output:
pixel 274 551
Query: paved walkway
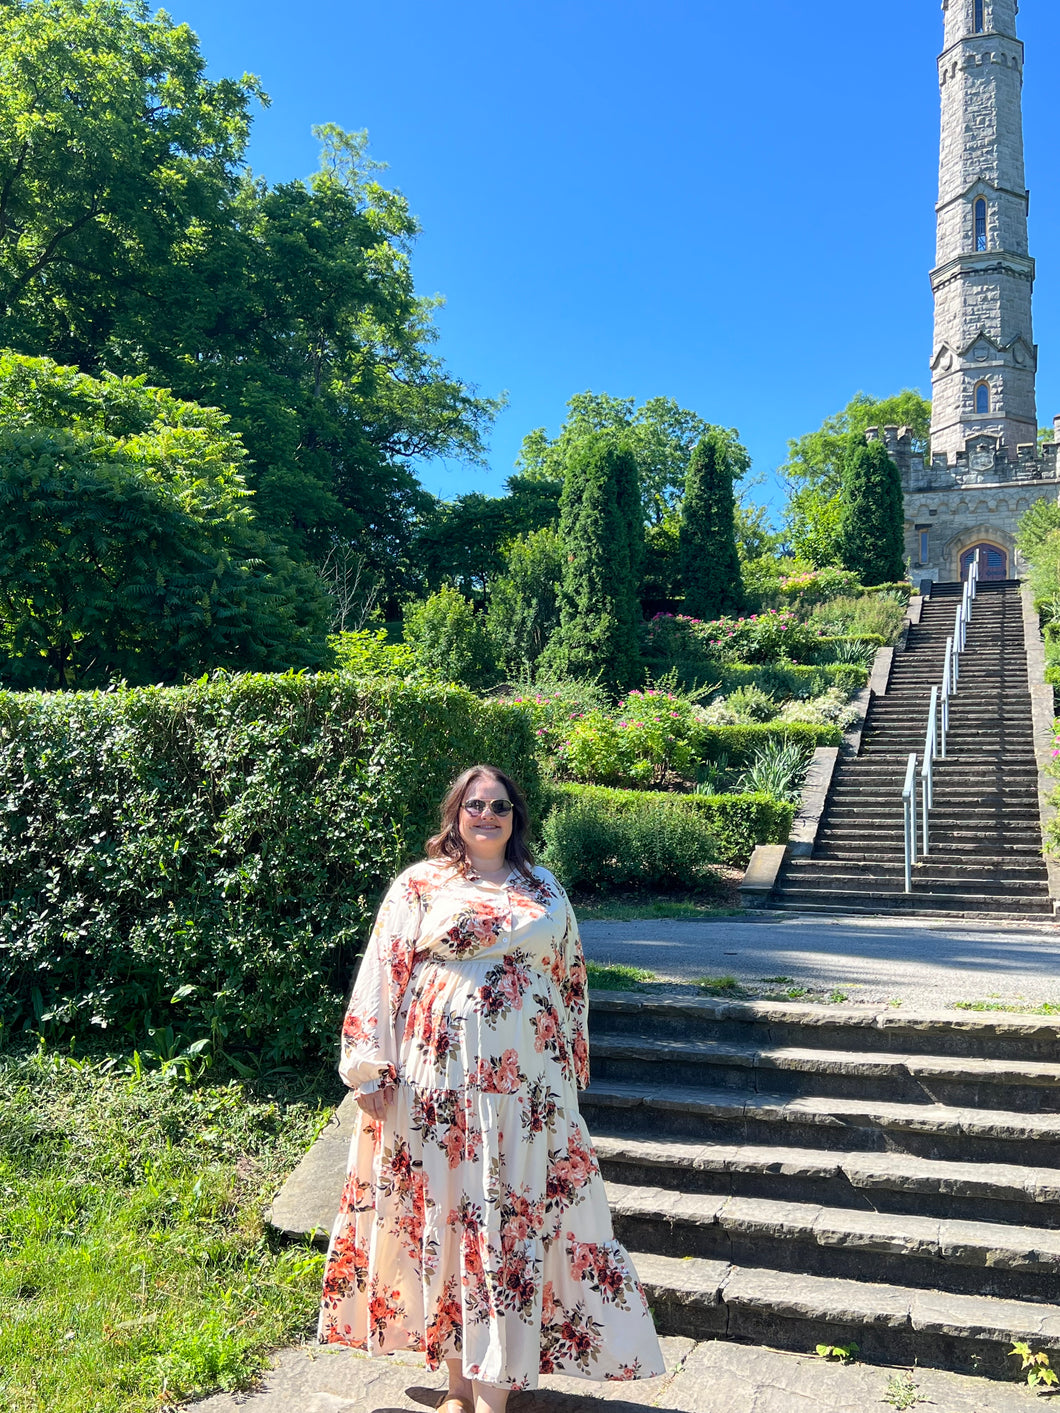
pixel 924 964
pixel 712 1377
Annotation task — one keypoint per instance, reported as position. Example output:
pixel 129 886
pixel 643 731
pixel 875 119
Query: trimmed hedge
pixel 658 845
pixel 789 679
pixel 208 858
pixel 783 679
pixel 739 743
pixel 737 822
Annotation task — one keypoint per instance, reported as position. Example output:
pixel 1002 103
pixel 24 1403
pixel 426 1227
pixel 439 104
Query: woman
pixel 474 1224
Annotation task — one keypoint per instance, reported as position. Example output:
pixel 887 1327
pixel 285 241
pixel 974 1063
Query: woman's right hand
pixel 375 1104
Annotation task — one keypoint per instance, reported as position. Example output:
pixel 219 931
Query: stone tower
pixel 984 361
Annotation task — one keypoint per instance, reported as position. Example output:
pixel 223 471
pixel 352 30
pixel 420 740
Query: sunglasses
pixel 500 808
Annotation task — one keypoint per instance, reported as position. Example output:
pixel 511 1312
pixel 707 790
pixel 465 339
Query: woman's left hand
pixel 375 1104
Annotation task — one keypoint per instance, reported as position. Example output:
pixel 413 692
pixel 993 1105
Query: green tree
pixel 601 542
pixel 710 563
pixel 598 606
pixel 659 433
pixel 464 541
pixel 814 469
pixel 116 154
pixel 128 546
pixel 1040 521
pixel 524 602
pixel 872 527
pixel 449 639
pixel 134 239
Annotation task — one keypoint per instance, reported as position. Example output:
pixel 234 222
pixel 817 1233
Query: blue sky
pixel 731 205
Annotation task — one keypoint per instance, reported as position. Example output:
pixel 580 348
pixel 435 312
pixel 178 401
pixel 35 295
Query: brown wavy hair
pixel 447 843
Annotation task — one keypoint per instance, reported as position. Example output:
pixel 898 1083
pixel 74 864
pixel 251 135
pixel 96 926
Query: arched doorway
pixel 993 561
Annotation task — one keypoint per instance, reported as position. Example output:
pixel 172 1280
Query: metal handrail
pixel 927 770
pixel 909 815
pixel 947 692
pixel 937 728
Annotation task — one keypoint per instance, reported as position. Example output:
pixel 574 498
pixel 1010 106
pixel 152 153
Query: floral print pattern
pixel 473 1223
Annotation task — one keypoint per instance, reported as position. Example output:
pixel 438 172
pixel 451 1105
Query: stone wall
pixel 975 499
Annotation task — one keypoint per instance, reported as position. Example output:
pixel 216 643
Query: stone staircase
pixel 796 1175
pixel 986 837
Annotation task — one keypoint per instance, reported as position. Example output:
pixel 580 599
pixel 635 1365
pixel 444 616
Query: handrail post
pixel 947 682
pixel 927 771
pixel 909 814
pixel 957 624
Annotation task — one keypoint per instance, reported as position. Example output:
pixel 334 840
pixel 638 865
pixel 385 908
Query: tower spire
pixel 985 359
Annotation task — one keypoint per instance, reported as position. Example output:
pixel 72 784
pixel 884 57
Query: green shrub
pixel 450 640
pixel 855 649
pixel 831 706
pixel 778 770
pixel 369 653
pixel 661 845
pixel 737 822
pixel 740 743
pixel 782 680
pixel 877 614
pixel 814 586
pixel 747 703
pixel 759 637
pixel 650 735
pixel 901 589
pixel 209 857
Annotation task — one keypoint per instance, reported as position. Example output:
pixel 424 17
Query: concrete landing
pixel 710 1377
pixel 925 964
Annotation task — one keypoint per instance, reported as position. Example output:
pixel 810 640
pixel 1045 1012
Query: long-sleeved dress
pixel 474 1222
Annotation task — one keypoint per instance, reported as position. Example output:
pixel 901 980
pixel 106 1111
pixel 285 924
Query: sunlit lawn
pixel 135 1266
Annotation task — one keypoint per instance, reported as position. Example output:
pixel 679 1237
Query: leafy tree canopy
pixel 465 541
pixel 814 468
pixel 660 434
pixel 134 239
pixel 128 546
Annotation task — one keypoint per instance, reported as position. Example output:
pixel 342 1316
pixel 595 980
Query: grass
pixel 651 908
pixel 729 987
pixel 1047 1008
pixel 614 976
pixel 136 1270
pixel 722 986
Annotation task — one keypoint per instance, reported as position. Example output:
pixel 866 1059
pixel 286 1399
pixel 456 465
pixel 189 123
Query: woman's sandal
pixel 456 1405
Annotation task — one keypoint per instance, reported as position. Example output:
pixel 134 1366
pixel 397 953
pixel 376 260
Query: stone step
pixel 826 906
pixel 1025 1086
pixel 895 1183
pixel 935 870
pixel 937 1131
pixel 922 901
pixel 954 814
pixel 931 872
pixel 891 1324
pixel 807 1238
pixel 765 1024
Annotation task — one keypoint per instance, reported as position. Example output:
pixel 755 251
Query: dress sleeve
pixel 574 988
pixel 369 1042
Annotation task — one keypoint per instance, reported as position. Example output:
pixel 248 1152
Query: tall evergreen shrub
pixel 872 528
pixel 710 564
pixel 601 532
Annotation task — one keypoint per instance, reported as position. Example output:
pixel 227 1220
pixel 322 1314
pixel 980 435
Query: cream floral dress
pixel 473 1222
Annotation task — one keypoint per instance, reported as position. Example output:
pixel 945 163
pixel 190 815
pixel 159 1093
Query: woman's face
pixel 485 835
